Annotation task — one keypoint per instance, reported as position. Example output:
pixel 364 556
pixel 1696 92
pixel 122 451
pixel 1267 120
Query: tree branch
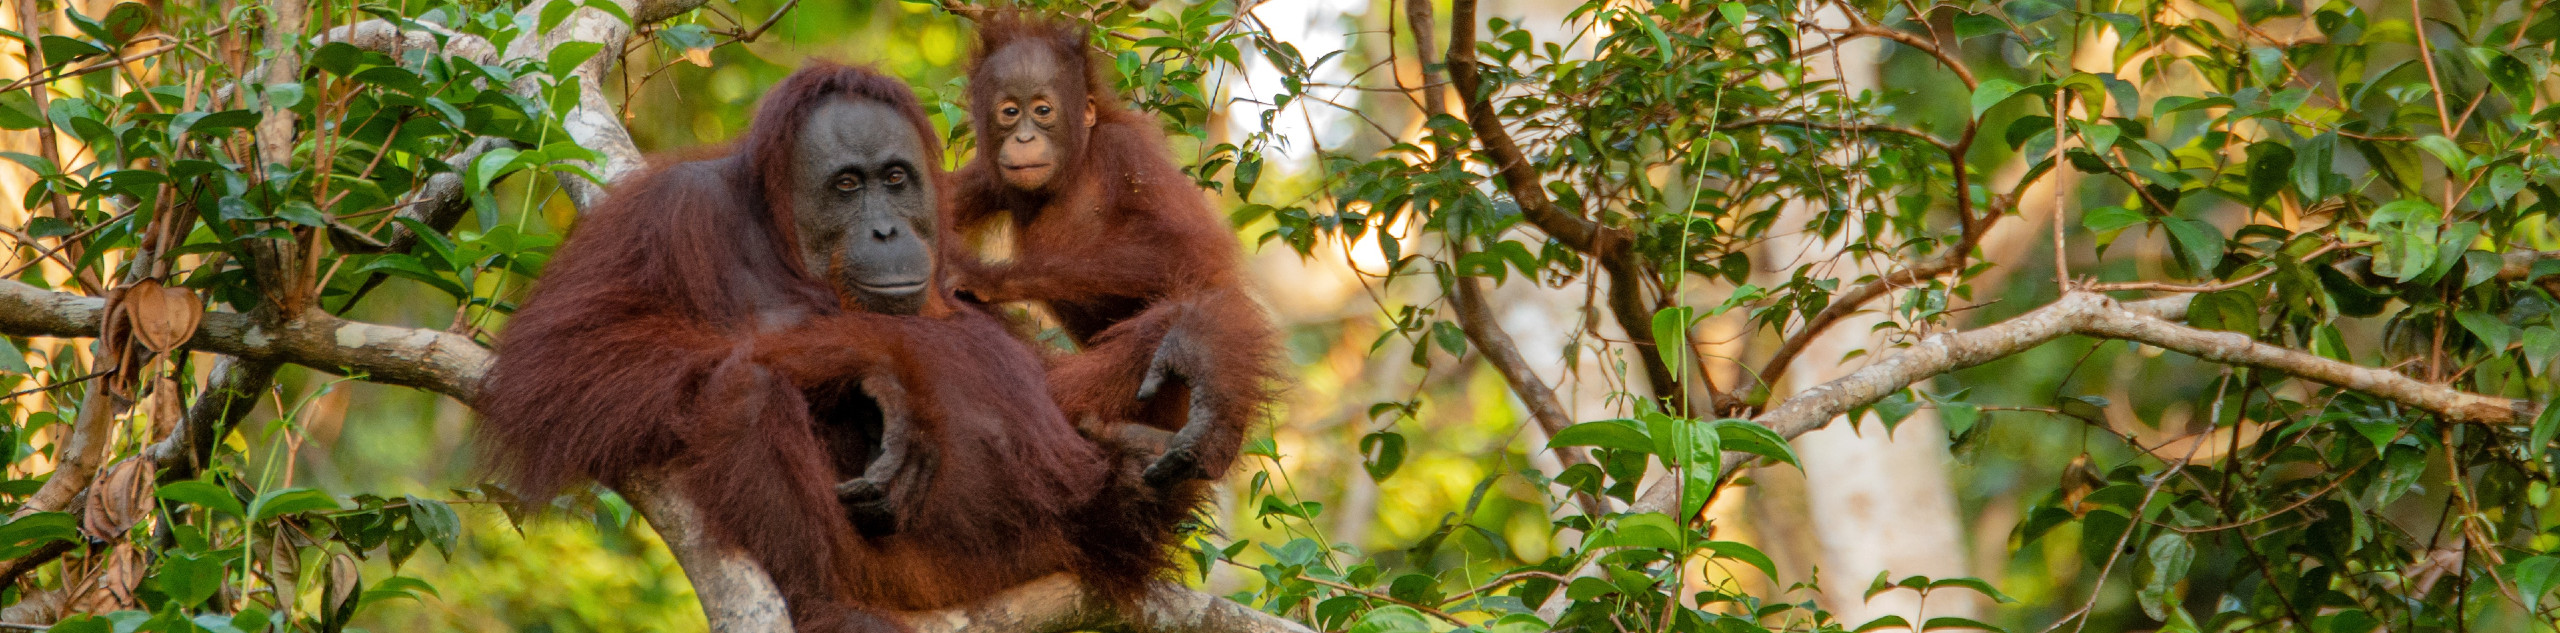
pixel 2091 314
pixel 1609 245
pixel 1856 298
pixel 382 36
pixel 437 361
pixel 1475 318
pixel 1863 128
pixel 1520 179
pixel 1863 29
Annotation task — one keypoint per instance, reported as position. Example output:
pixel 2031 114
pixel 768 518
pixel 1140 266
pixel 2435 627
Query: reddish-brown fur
pixel 676 332
pixel 1125 252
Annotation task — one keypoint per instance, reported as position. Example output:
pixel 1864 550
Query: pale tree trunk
pixel 1878 503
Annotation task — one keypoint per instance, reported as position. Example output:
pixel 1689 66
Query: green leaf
pixel 1975 584
pixel 301 212
pixel 1391 619
pixel 59 49
pixel 2545 426
pixel 190 578
pixel 1973 25
pixel 2269 165
pixel 686 36
pixel 1671 334
pixel 82 623
pixel 2312 165
pixel 2175 104
pixel 1382 453
pixel 1952 622
pixel 2110 218
pixel 1958 417
pixel 2199 244
pixel 1651 530
pixel 276 503
pixel 2099 531
pixel 1991 93
pixel 2504 183
pixel 489 165
pixel 18 111
pixel 126 20
pixel 26 533
pixel 1883 623
pixel 2494 333
pixel 284 94
pixel 2164 564
pixel 1745 553
pixel 2534 578
pixel 568 55
pixel 2446 151
pixel 2229 310
pixel 437 521
pixel 1618 434
pixel 12 359
pixel 1750 437
pixel 2541 343
pixel 202 494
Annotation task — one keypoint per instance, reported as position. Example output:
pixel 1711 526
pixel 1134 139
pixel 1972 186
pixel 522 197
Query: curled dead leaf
pixel 168 406
pixel 121 497
pixel 2078 480
pixel 116 347
pixel 345 584
pixel 110 588
pixel 699 56
pixel 163 317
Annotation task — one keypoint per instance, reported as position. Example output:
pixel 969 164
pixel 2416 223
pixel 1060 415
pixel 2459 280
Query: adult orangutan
pixel 1117 244
pixel 766 323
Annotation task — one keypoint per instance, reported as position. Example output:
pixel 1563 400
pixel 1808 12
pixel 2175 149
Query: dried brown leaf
pixel 168 406
pixel 345 578
pixel 121 497
pixel 115 344
pixel 110 588
pixel 163 317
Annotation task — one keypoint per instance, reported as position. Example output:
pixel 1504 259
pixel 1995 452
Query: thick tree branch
pixel 382 36
pixel 442 362
pixel 2097 315
pixel 738 598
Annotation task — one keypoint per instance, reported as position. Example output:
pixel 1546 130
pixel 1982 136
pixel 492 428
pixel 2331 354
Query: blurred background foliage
pixel 1697 129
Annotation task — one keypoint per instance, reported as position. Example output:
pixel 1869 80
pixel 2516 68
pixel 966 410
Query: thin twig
pixel 1914 41
pixel 1842 127
pixel 2154 286
pixel 58 385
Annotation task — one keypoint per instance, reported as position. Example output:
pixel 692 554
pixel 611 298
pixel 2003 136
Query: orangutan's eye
pixel 847 183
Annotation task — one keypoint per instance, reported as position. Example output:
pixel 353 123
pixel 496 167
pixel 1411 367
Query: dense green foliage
pixel 2339 178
